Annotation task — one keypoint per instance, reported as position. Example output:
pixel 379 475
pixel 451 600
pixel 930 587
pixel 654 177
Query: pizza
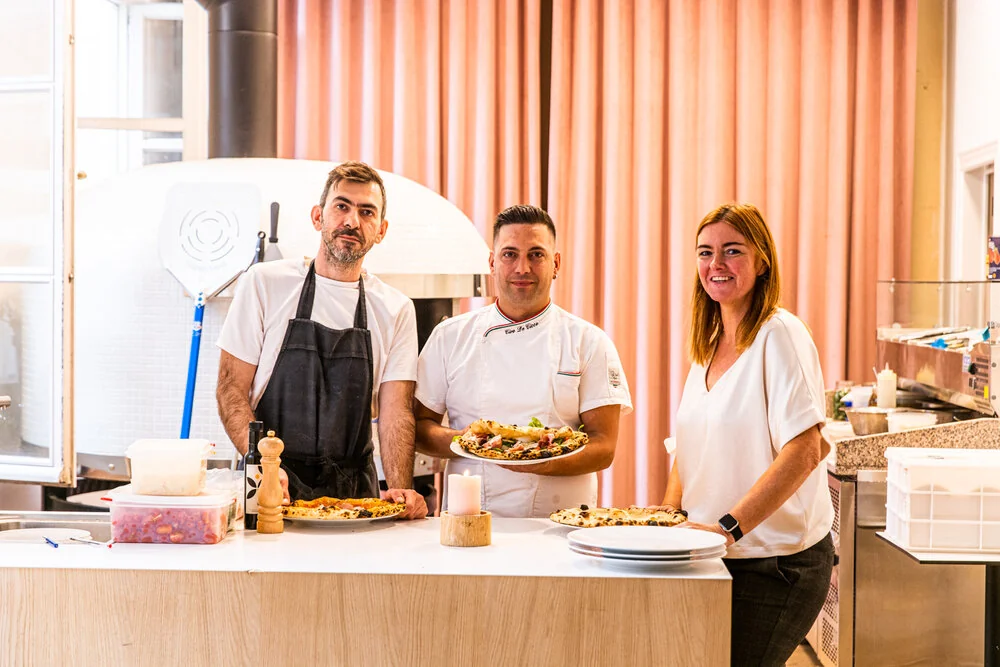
pixel 338 509
pixel 593 517
pixel 492 440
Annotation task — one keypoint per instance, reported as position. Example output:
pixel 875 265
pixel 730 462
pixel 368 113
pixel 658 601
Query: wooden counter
pixel 378 596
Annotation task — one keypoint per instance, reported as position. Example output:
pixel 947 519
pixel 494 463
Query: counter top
pixel 868 452
pixel 945 557
pixel 521 548
pixel 386 594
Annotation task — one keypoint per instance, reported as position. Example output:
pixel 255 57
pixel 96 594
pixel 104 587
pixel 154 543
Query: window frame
pixel 61 465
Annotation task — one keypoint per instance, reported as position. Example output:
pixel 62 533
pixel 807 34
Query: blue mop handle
pixel 199 316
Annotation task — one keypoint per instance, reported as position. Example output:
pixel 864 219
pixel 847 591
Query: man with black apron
pixel 308 368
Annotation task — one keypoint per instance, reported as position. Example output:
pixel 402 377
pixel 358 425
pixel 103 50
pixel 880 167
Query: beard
pixel 345 255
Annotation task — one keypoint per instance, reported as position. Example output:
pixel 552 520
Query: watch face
pixel 728 522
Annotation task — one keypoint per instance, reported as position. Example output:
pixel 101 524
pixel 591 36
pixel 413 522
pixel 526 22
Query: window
pixel 136 65
pixel 33 221
pixel 137 96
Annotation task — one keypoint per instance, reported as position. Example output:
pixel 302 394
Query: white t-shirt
pixel 267 296
pixel 728 437
pixel 554 366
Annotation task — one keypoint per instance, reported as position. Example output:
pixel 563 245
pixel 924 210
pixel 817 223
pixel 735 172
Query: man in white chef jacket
pixel 519 358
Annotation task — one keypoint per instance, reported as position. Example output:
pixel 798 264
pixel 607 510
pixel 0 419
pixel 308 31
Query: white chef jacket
pixel 553 366
pixel 728 437
pixel 267 296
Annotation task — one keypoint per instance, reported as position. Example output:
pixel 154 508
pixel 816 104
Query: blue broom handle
pixel 199 316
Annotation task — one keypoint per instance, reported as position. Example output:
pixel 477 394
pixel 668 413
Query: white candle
pixel 463 494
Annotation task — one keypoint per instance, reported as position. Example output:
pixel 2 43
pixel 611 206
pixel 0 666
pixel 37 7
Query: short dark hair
pixel 522 214
pixel 354 172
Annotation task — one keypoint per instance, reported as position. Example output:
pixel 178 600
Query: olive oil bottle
pixel 252 476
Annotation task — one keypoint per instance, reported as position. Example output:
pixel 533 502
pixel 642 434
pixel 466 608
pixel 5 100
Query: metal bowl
pixel 869 421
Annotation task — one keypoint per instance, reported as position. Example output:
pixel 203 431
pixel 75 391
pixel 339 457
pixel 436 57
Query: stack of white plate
pixel 647 545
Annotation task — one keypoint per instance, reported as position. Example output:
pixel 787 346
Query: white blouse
pixel 728 437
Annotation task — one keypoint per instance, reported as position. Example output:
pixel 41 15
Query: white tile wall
pixel 132 342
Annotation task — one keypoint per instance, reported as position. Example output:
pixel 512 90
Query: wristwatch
pixel 729 524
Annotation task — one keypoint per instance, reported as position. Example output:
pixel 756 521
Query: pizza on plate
pixel 593 517
pixel 341 509
pixel 492 440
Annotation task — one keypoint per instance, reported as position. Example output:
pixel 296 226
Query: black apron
pixel 318 401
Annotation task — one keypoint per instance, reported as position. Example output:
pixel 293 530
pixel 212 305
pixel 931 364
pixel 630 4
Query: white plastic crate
pixel 933 535
pixel 943 499
pixel 951 470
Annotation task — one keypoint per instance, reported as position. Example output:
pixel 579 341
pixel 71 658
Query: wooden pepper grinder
pixel 269 518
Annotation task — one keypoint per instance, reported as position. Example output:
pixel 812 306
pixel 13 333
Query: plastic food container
pixel 944 499
pixel 203 519
pixel 168 467
pixel 908 421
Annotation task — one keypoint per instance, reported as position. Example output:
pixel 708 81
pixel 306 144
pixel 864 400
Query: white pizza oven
pixel 145 237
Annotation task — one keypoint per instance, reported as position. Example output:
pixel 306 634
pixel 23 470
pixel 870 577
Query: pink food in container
pixel 201 519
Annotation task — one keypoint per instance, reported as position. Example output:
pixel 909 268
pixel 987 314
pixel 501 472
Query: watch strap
pixel 729 524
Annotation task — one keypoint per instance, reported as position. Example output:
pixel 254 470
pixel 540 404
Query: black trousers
pixel 775 602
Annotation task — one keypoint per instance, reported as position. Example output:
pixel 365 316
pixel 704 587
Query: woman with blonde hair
pixel 749 449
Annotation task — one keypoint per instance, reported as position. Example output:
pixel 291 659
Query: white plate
pixel 457 449
pixel 648 540
pixel 718 553
pixel 338 523
pixel 628 553
pixel 38 535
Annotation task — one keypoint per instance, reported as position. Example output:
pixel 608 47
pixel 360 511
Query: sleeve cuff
pixel 245 358
pixel 398 377
pixel 429 403
pixel 601 402
pixel 794 427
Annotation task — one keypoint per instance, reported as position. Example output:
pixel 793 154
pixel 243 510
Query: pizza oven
pixel 131 359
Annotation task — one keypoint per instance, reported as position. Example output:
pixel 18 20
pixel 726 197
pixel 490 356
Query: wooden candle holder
pixel 474 530
pixel 269 519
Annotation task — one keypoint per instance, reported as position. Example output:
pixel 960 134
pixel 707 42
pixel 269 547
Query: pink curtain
pixel 661 110
pixel 444 92
pixel 652 113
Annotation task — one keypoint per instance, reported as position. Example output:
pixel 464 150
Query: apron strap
pixel 304 310
pixel 361 310
pixel 308 295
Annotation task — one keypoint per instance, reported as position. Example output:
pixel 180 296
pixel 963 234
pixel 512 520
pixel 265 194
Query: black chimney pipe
pixel 242 77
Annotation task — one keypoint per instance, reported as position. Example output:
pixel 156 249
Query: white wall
pixel 974 126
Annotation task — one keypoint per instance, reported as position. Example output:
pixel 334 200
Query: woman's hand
pixel 717 529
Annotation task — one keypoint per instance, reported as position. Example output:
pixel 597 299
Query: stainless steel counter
pixel 885 609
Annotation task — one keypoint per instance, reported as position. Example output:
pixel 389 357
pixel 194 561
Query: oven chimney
pixel 242 78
